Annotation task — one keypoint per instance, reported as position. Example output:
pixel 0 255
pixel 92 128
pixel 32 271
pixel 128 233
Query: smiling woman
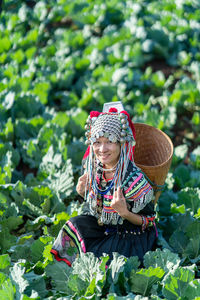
pixel 107 152
pixel 118 213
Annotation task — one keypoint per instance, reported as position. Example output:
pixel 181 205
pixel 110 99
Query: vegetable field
pixel 59 60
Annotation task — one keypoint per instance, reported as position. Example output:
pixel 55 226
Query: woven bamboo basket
pixel 153 154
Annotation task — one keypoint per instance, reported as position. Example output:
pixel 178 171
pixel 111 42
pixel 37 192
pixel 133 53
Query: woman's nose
pixel 103 147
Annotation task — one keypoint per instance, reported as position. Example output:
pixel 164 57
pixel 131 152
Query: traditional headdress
pixel 117 127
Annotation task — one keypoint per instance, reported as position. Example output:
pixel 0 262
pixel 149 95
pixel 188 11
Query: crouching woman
pixel 118 212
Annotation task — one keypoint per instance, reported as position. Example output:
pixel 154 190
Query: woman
pixel 118 214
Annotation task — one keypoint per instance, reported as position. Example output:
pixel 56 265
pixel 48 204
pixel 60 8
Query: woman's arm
pixel 133 218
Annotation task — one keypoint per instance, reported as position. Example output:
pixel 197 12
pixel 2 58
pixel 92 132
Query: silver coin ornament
pixel 123 121
pixel 124 126
pixel 94 119
pixel 101 133
pixel 106 134
pixel 93 140
pixel 123 133
pixel 87 142
pixel 122 116
pixel 112 138
pixel 122 140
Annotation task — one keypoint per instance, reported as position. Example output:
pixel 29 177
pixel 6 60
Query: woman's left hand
pixel 119 202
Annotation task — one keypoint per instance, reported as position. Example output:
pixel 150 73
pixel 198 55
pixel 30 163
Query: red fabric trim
pixel 105 178
pixel 86 152
pixel 58 258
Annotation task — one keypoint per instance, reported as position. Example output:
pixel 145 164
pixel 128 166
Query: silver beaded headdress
pixel 112 125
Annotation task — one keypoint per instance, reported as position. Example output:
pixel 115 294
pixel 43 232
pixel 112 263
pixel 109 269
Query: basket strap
pixel 159 187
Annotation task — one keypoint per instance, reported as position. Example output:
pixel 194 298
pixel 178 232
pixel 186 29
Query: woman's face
pixel 106 151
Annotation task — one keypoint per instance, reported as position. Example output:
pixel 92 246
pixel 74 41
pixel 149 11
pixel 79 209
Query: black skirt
pixel 83 234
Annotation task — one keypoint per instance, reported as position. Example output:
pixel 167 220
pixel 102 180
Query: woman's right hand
pixel 81 185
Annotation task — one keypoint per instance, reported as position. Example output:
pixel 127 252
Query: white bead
pixel 94 119
pixel 123 133
pixel 87 142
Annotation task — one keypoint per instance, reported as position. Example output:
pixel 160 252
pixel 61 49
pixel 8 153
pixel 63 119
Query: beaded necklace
pixel 111 184
pixel 112 169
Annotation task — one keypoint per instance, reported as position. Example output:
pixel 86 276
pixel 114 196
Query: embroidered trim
pixel 140 204
pixel 58 258
pixel 71 231
pixel 147 222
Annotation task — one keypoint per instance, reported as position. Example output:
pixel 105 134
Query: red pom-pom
pixel 94 114
pixel 113 109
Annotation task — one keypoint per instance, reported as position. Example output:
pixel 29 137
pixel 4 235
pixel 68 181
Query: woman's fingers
pixel 83 178
pixel 118 202
pixel 115 194
pixel 118 194
pixel 81 185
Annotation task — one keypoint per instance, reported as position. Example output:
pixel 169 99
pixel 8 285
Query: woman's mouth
pixel 104 156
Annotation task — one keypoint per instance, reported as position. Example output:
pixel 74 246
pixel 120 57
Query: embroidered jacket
pixel 137 191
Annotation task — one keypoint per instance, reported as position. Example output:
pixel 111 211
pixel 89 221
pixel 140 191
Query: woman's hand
pixel 120 206
pixel 119 203
pixel 81 185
